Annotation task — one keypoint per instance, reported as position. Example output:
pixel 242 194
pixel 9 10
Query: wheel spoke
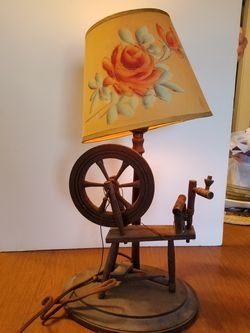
pixel 123 201
pixel 87 183
pixel 122 168
pixel 103 169
pixel 135 184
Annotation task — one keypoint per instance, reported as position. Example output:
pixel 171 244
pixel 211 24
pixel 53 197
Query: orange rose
pixel 131 70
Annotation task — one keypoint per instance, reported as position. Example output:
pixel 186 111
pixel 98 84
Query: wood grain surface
pixel 219 275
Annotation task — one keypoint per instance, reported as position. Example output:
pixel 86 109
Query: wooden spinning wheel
pixel 150 299
pixel 131 208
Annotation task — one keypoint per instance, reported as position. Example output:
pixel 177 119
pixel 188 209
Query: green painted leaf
pixel 112 114
pixel 148 100
pixel 114 97
pixel 154 49
pixel 104 94
pixel 163 93
pixel 165 77
pixel 143 36
pixel 124 99
pixel 162 66
pixel 92 84
pixel 133 102
pixel 166 52
pixel 173 86
pixel 126 36
pixel 125 110
pixel 98 79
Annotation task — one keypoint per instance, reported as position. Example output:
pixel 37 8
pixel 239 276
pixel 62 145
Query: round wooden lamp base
pixel 134 306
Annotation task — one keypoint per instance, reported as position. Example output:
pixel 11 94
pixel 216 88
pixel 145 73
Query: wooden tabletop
pixel 219 275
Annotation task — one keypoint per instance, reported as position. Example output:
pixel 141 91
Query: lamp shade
pixel 137 75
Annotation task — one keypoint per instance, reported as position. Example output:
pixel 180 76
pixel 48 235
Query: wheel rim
pixel 90 195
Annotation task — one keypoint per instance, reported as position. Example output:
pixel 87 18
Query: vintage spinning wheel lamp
pixel 136 78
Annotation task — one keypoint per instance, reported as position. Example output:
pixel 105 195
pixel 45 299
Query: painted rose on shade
pixel 137 72
pixel 131 70
pixel 169 39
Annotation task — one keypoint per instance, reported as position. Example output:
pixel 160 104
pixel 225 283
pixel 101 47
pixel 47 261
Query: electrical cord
pixel 47 310
pixel 51 306
pixel 102 252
